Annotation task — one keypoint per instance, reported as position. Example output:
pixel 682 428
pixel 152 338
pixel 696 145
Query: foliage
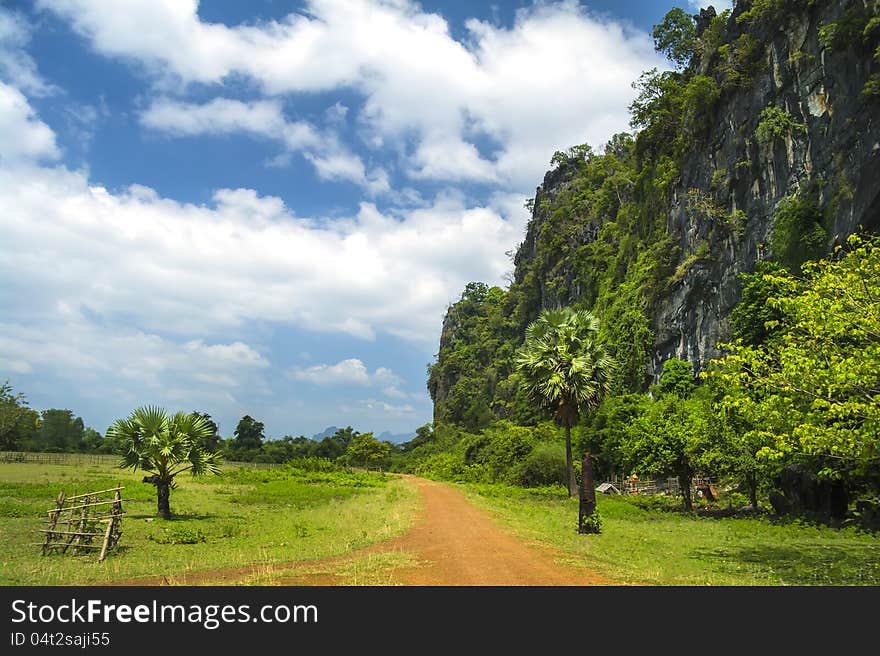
pixel 798 233
pixel 178 535
pixel 366 448
pixel 669 438
pixel 754 320
pixel 592 523
pixel 249 434
pixel 12 410
pixel 776 123
pixel 676 37
pixel 166 445
pixel 858 29
pixel 677 378
pixel 565 368
pixel 813 387
pixel 544 465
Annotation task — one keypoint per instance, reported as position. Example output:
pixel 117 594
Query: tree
pixel 566 369
pixel 364 447
pixel 60 431
pixel 811 391
pixel 166 445
pixel 212 442
pixel 249 434
pixel 12 409
pixel 674 432
pixel 676 37
pixel 676 378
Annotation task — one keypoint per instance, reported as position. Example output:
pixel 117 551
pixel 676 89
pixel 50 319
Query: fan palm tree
pixel 566 369
pixel 167 445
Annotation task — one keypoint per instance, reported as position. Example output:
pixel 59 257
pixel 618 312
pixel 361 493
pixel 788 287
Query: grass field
pixel 244 517
pixel 655 547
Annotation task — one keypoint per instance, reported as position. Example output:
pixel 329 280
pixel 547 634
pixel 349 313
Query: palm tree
pixel 566 369
pixel 166 445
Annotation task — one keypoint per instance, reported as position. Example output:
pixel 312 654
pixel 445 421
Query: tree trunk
pixel 163 492
pixel 569 464
pixel 587 497
pixel 684 484
pixel 753 492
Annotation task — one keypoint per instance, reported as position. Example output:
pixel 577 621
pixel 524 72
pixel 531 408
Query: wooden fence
pixel 34 457
pixel 76 522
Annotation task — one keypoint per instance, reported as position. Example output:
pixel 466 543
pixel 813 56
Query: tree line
pixel 23 428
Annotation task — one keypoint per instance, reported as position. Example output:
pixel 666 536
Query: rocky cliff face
pixel 793 115
pixel 837 154
pixel 832 152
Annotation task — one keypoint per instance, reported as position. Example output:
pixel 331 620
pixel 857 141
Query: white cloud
pixel 202 270
pixel 16 65
pixel 23 136
pixel 80 350
pixel 558 77
pixel 224 116
pixel 265 118
pixel 345 372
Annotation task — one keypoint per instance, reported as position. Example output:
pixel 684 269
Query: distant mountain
pixel 395 438
pixel 388 436
pixel 327 432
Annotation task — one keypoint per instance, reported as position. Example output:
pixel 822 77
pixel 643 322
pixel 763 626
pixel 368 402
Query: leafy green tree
pixel 814 388
pixel 60 431
pixel 366 448
pixel 12 409
pixel 249 435
pixel 750 319
pixel 166 445
pixel 667 439
pixel 676 36
pixel 677 378
pixel 212 443
pixel 674 433
pixel 27 431
pixel 565 368
pixel 93 441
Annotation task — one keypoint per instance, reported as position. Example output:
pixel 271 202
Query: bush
pixel 178 535
pixel 545 465
pixel 776 123
pixel 798 234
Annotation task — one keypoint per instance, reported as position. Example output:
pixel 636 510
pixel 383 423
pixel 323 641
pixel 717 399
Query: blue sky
pixel 265 207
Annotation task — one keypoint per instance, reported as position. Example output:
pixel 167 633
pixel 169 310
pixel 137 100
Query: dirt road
pixel 451 543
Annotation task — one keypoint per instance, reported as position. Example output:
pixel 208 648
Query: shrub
pixel 545 465
pixel 776 123
pixel 798 234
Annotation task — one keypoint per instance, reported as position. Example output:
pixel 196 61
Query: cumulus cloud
pixel 558 77
pixel 23 136
pixel 82 351
pixel 192 270
pixel 345 372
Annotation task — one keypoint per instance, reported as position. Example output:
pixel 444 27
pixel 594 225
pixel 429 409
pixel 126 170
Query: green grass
pixel 654 547
pixel 242 518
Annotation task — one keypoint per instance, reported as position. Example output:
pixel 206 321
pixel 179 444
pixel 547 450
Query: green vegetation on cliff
pixel 616 232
